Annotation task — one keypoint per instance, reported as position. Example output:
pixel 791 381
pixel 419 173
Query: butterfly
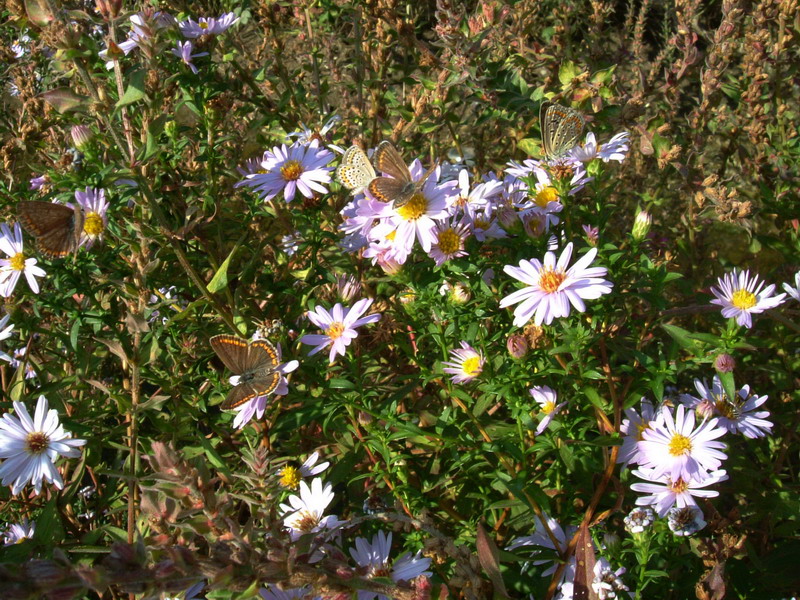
pixel 399 188
pixel 561 128
pixel 56 227
pixel 356 172
pixel 256 364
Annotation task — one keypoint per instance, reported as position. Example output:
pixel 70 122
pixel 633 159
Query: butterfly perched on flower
pixel 254 362
pixel 399 188
pixel 56 227
pixel 561 126
pixel 355 172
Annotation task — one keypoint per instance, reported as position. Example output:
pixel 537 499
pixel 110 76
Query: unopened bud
pixel 641 225
pixel 705 410
pixel 517 346
pixel 724 363
pixel 81 136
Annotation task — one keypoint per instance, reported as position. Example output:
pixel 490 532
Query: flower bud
pixel 517 346
pixel 705 410
pixel 724 363
pixel 592 234
pixel 81 136
pixel 641 225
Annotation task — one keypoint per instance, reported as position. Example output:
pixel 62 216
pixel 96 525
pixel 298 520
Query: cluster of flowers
pixel 146 24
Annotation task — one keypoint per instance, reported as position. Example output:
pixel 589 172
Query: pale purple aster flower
pixel 794 292
pixel 30 447
pixel 546 397
pixel 632 429
pixel 450 239
pixel 5 333
pixel 207 26
pixel 300 167
pixel 94 205
pixel 19 48
pixel 291 476
pixel 19 532
pixel 592 234
pixel 183 50
pixel 739 295
pixel 467 364
pixel 607 582
pixel 541 170
pixel 306 513
pixel 252 166
pixel 665 492
pixel 339 326
pixel 474 199
pixel 17 263
pixel 484 225
pixel 541 539
pixel 552 287
pixel 17 360
pixel 290 243
pixel 673 446
pixel 685 521
pixel 373 558
pixel 272 592
pixel 616 148
pixel 257 406
pixel 38 182
pixel 735 416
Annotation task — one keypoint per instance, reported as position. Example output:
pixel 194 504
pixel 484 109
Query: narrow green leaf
pixel 135 90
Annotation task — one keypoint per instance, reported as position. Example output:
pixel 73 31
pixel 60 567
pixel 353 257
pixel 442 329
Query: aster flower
pixel 37 183
pixel 546 397
pixel 551 286
pixel 18 359
pixel 685 521
pixel 639 519
pixel 291 243
pixel 794 292
pixel 632 429
pixel 205 26
pixel 301 167
pixel 31 446
pixel 17 263
pixel 739 295
pixel 467 364
pixel 192 593
pixel 738 415
pixel 305 513
pixel 457 294
pixel 19 532
pixel 257 406
pixel 373 558
pixel 339 326
pixel 272 592
pixel 5 333
pixel 615 149
pixel 607 582
pixel 291 476
pixel 449 244
pixel 183 50
pixel 477 198
pixel 665 492
pixel 541 539
pixel 94 205
pixel 674 447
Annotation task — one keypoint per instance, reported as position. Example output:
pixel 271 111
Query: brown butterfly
pixel 56 227
pixel 399 188
pixel 256 364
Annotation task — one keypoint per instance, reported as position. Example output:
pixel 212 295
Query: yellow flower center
pixel 449 241
pixel 18 261
pixel 415 208
pixel 743 299
pixel 472 366
pixel 726 409
pixel 679 486
pixel 290 477
pixel 306 522
pixel 550 280
pixel 481 224
pixel 335 330
pixel 680 445
pixel 93 224
pixel 546 195
pixel 36 442
pixel 548 407
pixel 292 170
pixel 202 25
pixel 391 235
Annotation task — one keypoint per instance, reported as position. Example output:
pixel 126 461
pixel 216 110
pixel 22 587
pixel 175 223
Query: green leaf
pixel 567 72
pixel 220 279
pixel 64 99
pixel 341 384
pixel 135 90
pixel 728 385
pixel 683 338
pixel 214 458
pixel 530 146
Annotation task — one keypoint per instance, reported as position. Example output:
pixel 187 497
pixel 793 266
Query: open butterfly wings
pixel 56 227
pixel 256 364
pixel 561 127
pixel 399 188
pixel 355 172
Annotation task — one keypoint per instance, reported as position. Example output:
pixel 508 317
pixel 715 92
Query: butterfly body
pixel 256 364
pixel 56 227
pixel 561 126
pixel 355 172
pixel 399 188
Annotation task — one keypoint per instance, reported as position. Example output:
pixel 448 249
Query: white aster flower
pixel 665 492
pixel 632 429
pixel 467 364
pixel 19 532
pixel 373 557
pixel 291 475
pixel 272 592
pixel 673 446
pixel 607 582
pixel 794 292
pixel 739 295
pixel 306 513
pixel 450 239
pixel 17 263
pixel 546 397
pixel 540 539
pixel 339 326
pixel 5 333
pixel 31 446
pixel 736 416
pixel 552 287
pixel 639 519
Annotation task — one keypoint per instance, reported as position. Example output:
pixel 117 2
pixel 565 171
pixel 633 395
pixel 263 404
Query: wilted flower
pixel 607 583
pixel 517 345
pixel 685 521
pixel 639 519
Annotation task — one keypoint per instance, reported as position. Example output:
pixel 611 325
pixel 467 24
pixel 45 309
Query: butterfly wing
pixel 387 160
pixel 244 392
pixel 262 357
pixel 356 171
pixel 561 127
pixel 233 351
pixel 56 227
pixel 387 189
